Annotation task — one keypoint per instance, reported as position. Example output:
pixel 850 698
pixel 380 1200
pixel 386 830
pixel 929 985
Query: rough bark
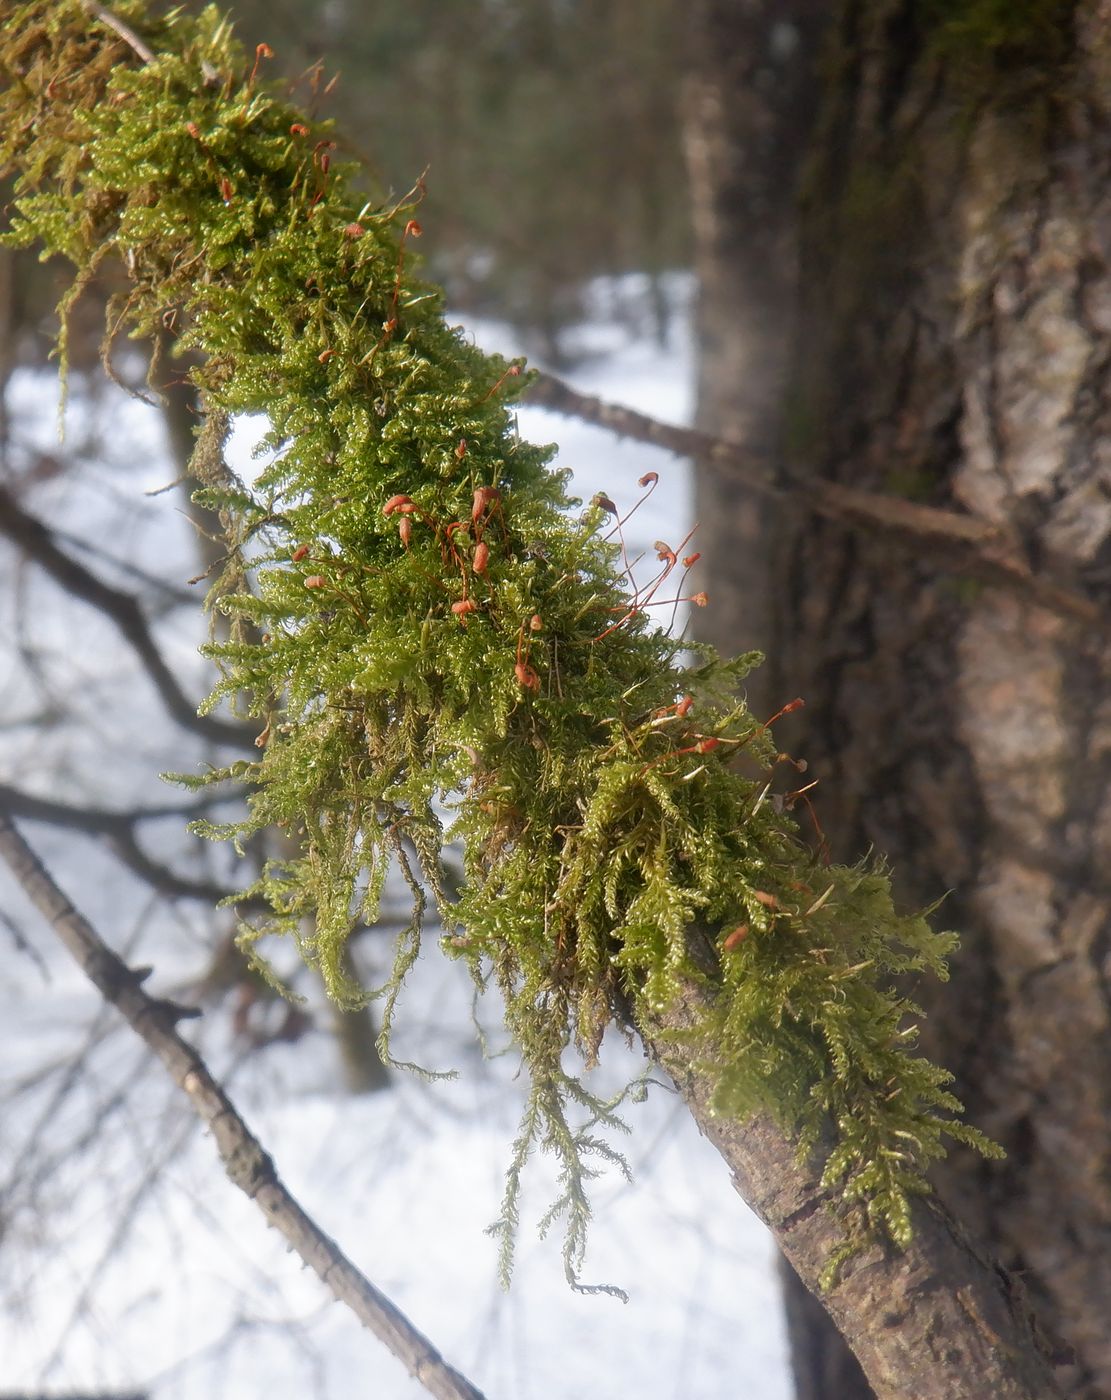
pixel 952 347
pixel 936 1322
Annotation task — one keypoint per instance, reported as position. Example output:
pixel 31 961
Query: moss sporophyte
pixel 419 623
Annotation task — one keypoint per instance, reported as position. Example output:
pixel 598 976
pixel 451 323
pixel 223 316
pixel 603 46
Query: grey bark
pixel 952 346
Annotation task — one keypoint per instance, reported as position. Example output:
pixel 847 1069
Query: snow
pixel 129 1261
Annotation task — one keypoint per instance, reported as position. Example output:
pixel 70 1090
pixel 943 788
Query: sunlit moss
pixel 431 627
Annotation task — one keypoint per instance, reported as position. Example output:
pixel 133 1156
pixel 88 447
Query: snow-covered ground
pixel 126 1258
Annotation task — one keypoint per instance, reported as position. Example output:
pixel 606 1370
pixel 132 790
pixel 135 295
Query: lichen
pixel 422 624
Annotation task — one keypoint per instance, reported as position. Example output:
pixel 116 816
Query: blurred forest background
pixel 896 215
pixel 549 132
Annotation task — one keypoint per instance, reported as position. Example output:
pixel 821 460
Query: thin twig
pixel 126 33
pixel 172 595
pixel 118 829
pixel 23 944
pixel 970 545
pixel 99 820
pixel 246 1162
pixel 29 533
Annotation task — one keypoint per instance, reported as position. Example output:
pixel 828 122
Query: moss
pixel 800 425
pixel 876 223
pixel 433 630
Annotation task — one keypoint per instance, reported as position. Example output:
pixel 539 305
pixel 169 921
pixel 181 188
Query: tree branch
pixel 118 829
pixel 96 820
pixel 125 32
pixel 78 1395
pixel 246 1162
pixel 28 533
pixel 970 545
pixel 937 1321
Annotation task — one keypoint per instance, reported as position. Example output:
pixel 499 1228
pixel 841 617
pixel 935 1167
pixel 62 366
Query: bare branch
pixel 126 33
pixel 172 595
pixel 166 881
pixel 24 945
pixel 98 821
pixel 246 1162
pixel 122 1225
pixel 970 545
pixel 80 1395
pixel 118 829
pixel 28 533
pixel 939 1320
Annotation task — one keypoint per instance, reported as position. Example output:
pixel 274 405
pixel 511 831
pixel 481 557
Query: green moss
pixel 433 630
pixel 864 220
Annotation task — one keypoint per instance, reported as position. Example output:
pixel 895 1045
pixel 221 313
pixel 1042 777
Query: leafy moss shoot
pixel 421 624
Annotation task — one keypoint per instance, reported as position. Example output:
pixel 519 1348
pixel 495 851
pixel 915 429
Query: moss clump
pixel 431 629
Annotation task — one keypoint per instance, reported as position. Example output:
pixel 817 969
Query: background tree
pixel 942 273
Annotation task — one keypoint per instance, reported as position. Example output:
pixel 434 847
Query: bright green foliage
pixel 395 671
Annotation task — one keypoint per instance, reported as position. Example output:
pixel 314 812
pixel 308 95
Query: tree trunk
pixel 955 298
pixel 749 95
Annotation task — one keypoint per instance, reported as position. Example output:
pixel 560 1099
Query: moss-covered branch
pixel 434 631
